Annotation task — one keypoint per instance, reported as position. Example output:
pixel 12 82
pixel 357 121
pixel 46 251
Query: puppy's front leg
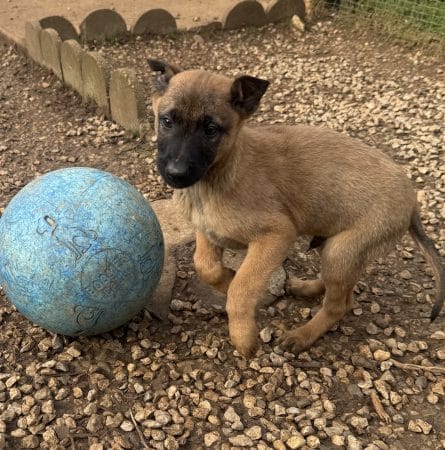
pixel 264 256
pixel 209 265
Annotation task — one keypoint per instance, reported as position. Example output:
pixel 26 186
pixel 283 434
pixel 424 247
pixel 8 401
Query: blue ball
pixel 81 251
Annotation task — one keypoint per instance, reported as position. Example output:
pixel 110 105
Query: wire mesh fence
pixel 426 18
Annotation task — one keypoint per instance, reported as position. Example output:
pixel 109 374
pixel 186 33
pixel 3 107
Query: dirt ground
pixel 179 384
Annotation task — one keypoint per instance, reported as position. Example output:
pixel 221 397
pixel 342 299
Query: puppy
pixel 261 187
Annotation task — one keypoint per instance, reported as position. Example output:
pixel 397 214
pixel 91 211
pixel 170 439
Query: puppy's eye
pixel 211 129
pixel 166 122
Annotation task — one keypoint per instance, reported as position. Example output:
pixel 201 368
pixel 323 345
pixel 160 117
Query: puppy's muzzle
pixel 177 172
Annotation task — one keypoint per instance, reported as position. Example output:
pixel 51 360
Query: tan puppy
pixel 262 187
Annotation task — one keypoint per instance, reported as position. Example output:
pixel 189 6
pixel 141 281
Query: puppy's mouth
pixel 179 183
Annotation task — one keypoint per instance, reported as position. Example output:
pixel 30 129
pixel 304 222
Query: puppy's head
pixel 197 117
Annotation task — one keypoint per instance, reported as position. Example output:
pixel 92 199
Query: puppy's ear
pixel 246 93
pixel 166 72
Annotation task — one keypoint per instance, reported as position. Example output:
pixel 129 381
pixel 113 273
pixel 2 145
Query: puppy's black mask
pixel 186 149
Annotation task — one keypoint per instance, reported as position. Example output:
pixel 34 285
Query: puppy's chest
pixel 214 218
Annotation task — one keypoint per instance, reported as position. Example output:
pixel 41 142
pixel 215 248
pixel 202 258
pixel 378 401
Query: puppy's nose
pixel 176 169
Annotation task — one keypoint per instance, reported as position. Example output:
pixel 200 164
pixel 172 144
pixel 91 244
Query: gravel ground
pixel 179 384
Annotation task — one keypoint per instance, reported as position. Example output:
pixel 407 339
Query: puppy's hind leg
pixel 344 259
pixel 209 265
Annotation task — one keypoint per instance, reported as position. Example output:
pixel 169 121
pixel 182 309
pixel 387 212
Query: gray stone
pixel 96 79
pixel 102 24
pixel 285 9
pixel 63 26
pixel 245 13
pixel 155 21
pixel 32 37
pixel 126 99
pixel 71 60
pixel 177 231
pixel 278 282
pixel 50 43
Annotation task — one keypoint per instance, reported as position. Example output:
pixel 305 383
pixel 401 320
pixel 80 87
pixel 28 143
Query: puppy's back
pixel 346 179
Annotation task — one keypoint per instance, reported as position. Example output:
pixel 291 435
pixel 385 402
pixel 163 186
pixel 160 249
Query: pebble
pixel 114 421
pixel 419 426
pixel 202 410
pixel 440 353
pixel 11 381
pixel 30 441
pixel 126 425
pixel 372 328
pixel 253 432
pixel 395 397
pixel 313 442
pixel 94 423
pixel 241 440
pixel 296 441
pixel 438 335
pixel 405 274
pixel 249 401
pixel 50 436
pixel 231 415
pixel 438 388
pixel 381 355
pixel 338 440
pixel 400 332
pixel 413 347
pixel 298 24
pixel 359 423
pixel 279 445
pixel 432 398
pixel 354 443
pixel 313 413
pixel 211 438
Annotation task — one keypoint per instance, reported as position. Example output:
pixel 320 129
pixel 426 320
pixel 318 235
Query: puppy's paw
pixel 305 288
pixel 244 337
pixel 293 340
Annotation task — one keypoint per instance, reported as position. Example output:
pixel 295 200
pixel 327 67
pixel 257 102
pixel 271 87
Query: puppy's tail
pixel 432 256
